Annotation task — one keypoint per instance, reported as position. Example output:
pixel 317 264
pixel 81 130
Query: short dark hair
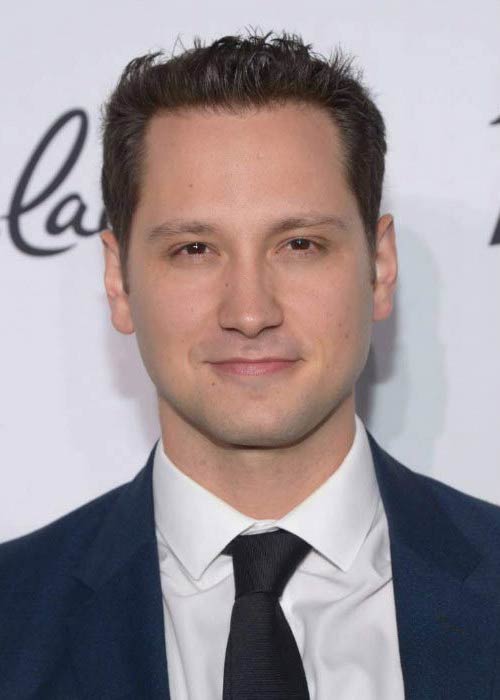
pixel 234 73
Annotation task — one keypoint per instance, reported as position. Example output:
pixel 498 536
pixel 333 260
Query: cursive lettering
pixel 69 212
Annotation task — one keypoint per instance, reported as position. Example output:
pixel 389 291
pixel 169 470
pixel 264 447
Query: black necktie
pixel 262 659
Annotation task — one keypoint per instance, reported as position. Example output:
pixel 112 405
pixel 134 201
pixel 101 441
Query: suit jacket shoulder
pixel 477 518
pixel 27 561
pixel 38 593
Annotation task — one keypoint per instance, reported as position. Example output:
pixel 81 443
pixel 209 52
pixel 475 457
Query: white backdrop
pixel 77 410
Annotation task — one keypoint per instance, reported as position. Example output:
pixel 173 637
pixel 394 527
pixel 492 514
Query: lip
pixel 253 367
pixel 252 360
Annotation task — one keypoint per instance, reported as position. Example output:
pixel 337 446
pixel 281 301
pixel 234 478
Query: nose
pixel 249 303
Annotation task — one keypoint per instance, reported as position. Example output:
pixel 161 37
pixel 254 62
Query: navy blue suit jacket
pixel 81 612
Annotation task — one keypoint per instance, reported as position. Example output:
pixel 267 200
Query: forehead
pixel 287 156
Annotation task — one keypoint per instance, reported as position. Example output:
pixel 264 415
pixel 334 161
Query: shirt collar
pixel 335 519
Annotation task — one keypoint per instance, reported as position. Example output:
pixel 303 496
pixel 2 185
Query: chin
pixel 258 433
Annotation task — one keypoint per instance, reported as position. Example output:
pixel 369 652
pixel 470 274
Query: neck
pixel 261 483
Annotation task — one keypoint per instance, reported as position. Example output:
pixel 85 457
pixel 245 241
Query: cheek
pixel 165 319
pixel 343 318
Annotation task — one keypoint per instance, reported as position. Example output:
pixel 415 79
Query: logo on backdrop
pixel 496 233
pixel 67 211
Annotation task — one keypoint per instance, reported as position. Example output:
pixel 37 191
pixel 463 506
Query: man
pixel 269 548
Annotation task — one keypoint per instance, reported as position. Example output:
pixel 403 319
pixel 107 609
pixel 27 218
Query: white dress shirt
pixel 339 602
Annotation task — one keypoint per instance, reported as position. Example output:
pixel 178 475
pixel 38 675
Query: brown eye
pixel 196 245
pixel 302 240
pixel 305 246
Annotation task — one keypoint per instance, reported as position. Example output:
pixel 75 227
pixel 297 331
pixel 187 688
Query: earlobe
pixel 113 281
pixel 386 266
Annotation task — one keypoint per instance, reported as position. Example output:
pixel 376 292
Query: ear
pixel 386 266
pixel 114 283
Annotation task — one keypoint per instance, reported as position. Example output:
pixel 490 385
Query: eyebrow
pixel 178 227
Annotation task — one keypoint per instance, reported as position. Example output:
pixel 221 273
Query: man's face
pixel 243 288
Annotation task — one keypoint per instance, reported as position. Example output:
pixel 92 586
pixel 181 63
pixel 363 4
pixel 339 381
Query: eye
pixel 307 241
pixel 197 245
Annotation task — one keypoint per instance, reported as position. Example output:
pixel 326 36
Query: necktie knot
pixel 264 562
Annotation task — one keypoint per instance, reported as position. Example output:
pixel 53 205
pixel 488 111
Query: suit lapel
pixel 116 632
pixel 446 605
